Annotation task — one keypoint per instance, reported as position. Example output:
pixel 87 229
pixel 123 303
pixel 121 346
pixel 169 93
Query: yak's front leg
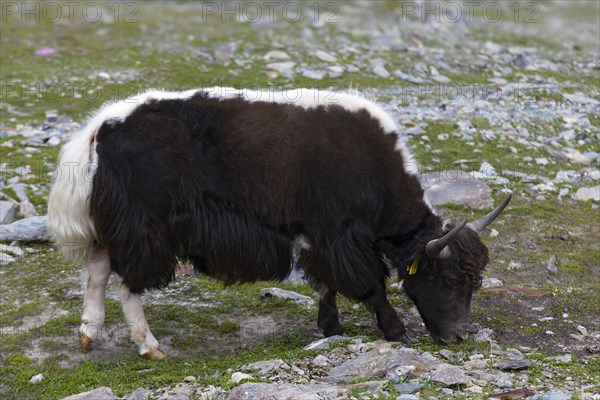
pixel 92 319
pixel 138 325
pixel 387 318
pixel 328 319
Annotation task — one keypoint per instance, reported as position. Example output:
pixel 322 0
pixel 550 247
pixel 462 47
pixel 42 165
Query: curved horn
pixel 482 222
pixel 437 248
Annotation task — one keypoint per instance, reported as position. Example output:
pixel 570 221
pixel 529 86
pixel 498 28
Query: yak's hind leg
pixel 138 325
pixel 328 318
pixel 92 319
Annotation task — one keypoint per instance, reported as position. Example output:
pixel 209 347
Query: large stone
pixel 325 342
pixel 7 212
pixel 513 364
pixel 408 388
pixel 449 375
pixel 267 391
pixel 458 187
pixel 237 377
pixel 25 230
pixel 313 391
pixel 287 294
pixel 268 367
pixel 101 393
pixel 588 193
pixel 376 364
pixel 6 258
pixel 556 396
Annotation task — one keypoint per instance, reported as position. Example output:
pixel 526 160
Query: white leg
pixel 97 273
pixel 139 329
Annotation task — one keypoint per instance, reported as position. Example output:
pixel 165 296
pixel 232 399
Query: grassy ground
pixel 207 328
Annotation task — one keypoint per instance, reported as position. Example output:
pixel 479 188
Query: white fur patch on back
pixel 311 98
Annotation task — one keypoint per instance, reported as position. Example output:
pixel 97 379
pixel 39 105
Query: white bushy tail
pixel 69 221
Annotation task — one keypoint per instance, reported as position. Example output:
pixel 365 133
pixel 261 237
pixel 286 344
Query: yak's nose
pixel 458 335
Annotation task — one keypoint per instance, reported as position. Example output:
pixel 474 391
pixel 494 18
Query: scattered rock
pixel 406 77
pixel 513 364
pixel 541 161
pixel 276 55
pixel 556 396
pixel 25 230
pixel 139 394
pixel 53 141
pixel 456 187
pixel 520 61
pixel 449 375
pixel 287 294
pixel 484 335
pixel 379 70
pixel 266 391
pixel 325 342
pixel 587 193
pixel 578 157
pixel 580 98
pixel 491 282
pixel 324 56
pixel 551 265
pixel 514 266
pixel 314 74
pixel 441 78
pixel 493 48
pixel 237 377
pixel 407 397
pixel 321 361
pixel 101 393
pixel 11 249
pixel 408 388
pixel 6 259
pixel 513 394
pixel 268 367
pixel 284 68
pixel 335 71
pixel 565 358
pixel 582 329
pixel 37 378
pixel 375 364
pixel 7 212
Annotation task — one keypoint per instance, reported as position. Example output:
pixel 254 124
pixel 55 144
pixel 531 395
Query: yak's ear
pixel 438 248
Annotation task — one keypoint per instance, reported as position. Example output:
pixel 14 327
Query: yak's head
pixel 445 276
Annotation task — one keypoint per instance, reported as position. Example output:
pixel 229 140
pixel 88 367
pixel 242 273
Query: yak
pixel 232 180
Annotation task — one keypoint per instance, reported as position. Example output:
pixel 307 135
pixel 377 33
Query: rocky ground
pixel 488 103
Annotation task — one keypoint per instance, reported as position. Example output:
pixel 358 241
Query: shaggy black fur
pixel 228 184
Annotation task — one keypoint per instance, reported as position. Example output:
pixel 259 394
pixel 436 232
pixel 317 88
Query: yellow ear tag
pixel 412 269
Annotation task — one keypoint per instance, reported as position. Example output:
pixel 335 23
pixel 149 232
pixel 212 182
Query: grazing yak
pixel 230 180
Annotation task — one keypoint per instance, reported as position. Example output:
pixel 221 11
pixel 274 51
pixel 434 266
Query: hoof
pixel 333 331
pixel 398 337
pixel 406 339
pixel 85 342
pixel 154 355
